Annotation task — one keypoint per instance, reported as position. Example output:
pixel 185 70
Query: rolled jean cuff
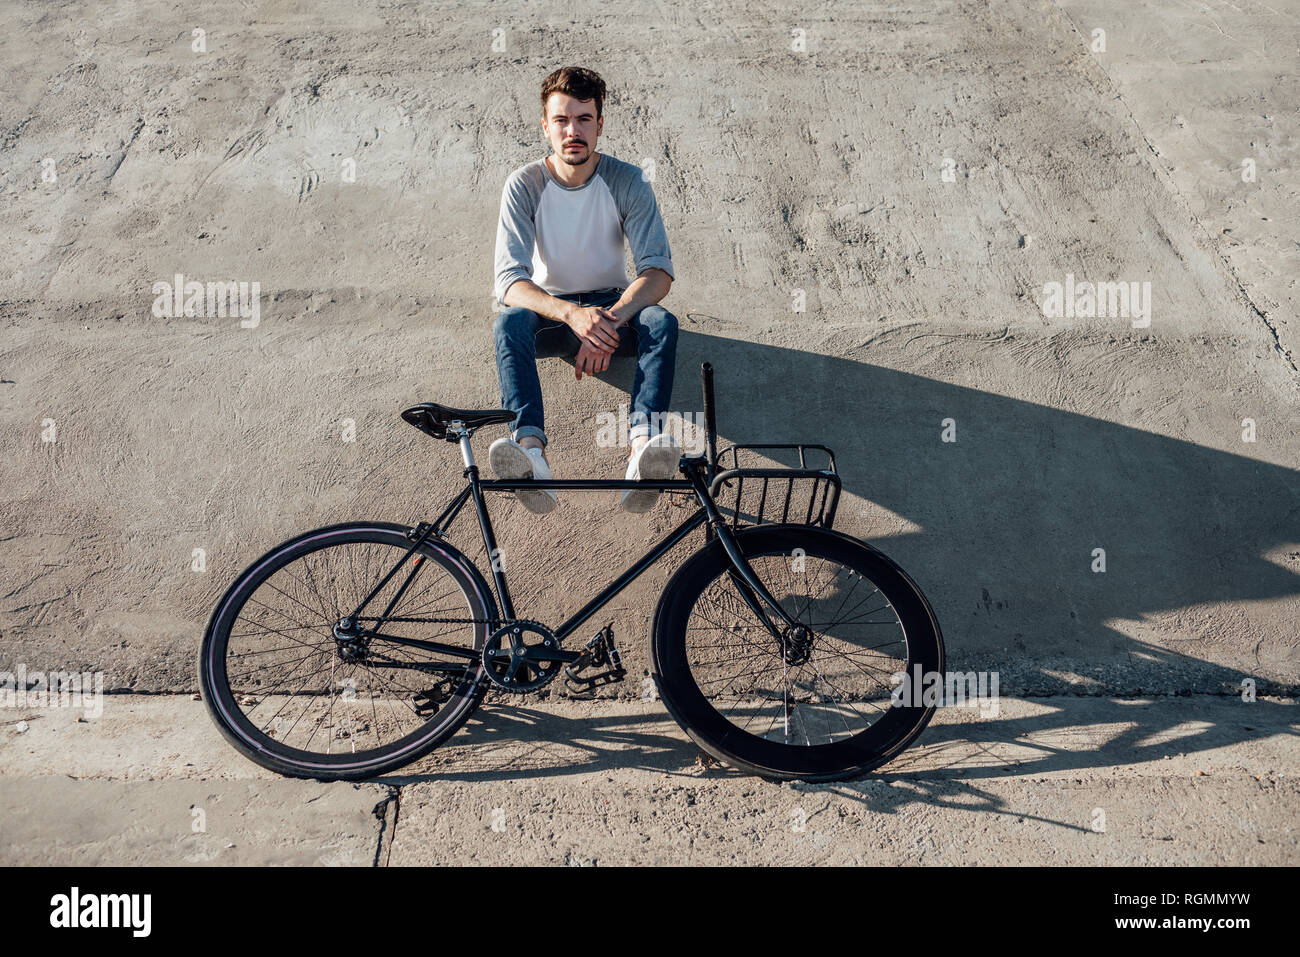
pixel 532 430
pixel 638 423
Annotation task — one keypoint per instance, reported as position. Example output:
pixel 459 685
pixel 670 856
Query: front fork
pixel 752 590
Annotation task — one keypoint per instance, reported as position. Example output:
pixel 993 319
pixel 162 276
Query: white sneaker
pixel 657 459
pixel 510 460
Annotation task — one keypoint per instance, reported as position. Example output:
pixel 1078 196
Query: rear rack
pixel 800 495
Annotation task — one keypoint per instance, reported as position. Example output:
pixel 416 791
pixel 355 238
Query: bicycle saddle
pixel 432 418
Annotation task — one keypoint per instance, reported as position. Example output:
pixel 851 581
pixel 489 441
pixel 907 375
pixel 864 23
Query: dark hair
pixel 577 82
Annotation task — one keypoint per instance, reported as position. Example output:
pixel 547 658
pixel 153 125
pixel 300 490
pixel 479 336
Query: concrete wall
pixel 776 170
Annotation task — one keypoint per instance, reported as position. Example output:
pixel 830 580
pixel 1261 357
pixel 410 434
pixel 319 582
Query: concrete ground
pixel 1057 780
pixel 867 206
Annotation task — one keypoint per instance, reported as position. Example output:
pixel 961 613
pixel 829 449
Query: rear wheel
pixel 300 688
pixel 816 702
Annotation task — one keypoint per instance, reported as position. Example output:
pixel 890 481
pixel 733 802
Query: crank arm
pixel 535 654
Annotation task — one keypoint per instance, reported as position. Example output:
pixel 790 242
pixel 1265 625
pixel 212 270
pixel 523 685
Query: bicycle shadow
pixel 508 742
pixel 1001 526
pixel 954 765
pixel 1000 530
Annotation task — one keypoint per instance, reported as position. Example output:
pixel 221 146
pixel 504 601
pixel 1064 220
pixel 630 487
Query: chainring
pixel 513 664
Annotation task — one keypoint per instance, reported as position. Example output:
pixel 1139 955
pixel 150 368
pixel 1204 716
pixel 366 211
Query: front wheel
pixel 818 702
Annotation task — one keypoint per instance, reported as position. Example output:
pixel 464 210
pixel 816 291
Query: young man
pixel 563 289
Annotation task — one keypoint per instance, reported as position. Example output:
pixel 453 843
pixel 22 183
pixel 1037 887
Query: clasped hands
pixel 597 329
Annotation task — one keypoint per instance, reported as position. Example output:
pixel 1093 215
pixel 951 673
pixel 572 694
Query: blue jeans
pixel 523 337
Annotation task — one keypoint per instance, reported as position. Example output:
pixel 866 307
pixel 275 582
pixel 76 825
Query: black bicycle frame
pixel 747 583
pixel 751 588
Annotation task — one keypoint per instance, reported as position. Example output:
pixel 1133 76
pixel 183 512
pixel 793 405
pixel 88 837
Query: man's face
pixel 571 128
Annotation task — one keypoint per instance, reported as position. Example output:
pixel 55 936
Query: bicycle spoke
pixel 327 688
pixel 823 691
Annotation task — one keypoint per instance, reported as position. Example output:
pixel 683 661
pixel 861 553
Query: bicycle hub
pixel 351 641
pixel 796 644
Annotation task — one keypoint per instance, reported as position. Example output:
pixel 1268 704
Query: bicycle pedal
pixel 427 702
pixel 600 650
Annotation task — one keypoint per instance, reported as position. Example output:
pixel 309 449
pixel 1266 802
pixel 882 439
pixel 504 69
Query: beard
pixel 575 157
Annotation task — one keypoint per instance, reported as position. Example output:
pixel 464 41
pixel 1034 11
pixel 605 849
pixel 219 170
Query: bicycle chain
pixel 427 669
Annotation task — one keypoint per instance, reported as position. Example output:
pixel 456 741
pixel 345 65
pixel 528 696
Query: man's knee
pixel 514 324
pixel 659 323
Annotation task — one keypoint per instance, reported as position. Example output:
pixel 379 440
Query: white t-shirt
pixel 570 239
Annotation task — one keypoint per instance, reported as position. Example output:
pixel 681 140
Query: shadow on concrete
pixel 999 530
pixel 1001 524
pixel 944 768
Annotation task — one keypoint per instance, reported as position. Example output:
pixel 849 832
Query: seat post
pixel 457 428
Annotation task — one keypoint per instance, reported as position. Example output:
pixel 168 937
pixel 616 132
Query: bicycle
pixel 758 648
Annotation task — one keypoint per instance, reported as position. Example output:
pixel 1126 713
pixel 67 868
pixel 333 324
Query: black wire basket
pixel 750 493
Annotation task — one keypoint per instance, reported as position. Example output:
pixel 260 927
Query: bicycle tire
pixel 255 743
pixel 684 695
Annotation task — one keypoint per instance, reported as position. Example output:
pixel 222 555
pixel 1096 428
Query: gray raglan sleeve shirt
pixel 642 223
pixel 515 233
